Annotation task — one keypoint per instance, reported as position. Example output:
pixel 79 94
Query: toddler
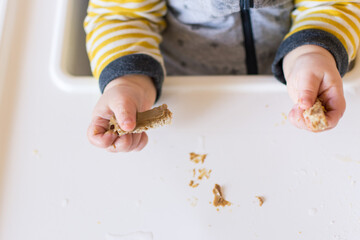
pixel 308 45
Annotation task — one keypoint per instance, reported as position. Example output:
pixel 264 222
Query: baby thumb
pixel 125 113
pixel 308 90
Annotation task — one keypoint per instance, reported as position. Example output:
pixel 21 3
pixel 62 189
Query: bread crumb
pixel 315 117
pixel 193 201
pixel 219 199
pixel 95 132
pixel 204 173
pixel 197 158
pixel 191 184
pixel 36 153
pixel 261 200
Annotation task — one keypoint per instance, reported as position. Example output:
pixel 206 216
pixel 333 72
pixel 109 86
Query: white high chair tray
pixel 55 185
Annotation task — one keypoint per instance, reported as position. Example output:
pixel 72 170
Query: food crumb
pixel 284 116
pixel 95 132
pixel 261 200
pixel 98 222
pixel 191 184
pixel 36 153
pixel 193 201
pixel 315 117
pixel 204 173
pixel 219 199
pixel 197 158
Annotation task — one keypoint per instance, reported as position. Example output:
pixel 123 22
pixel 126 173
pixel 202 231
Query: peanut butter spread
pixel 153 118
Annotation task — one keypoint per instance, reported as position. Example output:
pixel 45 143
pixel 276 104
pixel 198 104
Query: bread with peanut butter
pixel 152 118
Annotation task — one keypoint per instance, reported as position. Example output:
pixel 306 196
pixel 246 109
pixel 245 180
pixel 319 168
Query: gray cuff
pixel 314 37
pixel 133 64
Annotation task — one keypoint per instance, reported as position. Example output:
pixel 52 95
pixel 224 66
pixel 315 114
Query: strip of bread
pixel 153 118
pixel 315 117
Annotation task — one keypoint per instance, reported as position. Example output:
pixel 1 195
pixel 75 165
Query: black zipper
pixel 250 58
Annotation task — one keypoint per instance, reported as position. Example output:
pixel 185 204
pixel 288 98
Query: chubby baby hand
pixel 122 97
pixel 310 72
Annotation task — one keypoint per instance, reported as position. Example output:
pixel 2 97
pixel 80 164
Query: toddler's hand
pixel 122 97
pixel 310 72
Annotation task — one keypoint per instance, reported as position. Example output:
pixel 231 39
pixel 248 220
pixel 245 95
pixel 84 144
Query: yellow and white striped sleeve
pixel 333 25
pixel 123 37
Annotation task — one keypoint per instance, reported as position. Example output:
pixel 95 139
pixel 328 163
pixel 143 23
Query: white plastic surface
pixel 55 185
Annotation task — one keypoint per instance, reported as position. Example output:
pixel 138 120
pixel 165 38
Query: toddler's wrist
pixel 141 83
pixel 138 81
pixel 305 51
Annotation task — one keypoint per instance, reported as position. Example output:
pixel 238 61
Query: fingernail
pixel 127 125
pixel 127 122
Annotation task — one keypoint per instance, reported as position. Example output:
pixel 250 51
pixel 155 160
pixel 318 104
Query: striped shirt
pixel 124 28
